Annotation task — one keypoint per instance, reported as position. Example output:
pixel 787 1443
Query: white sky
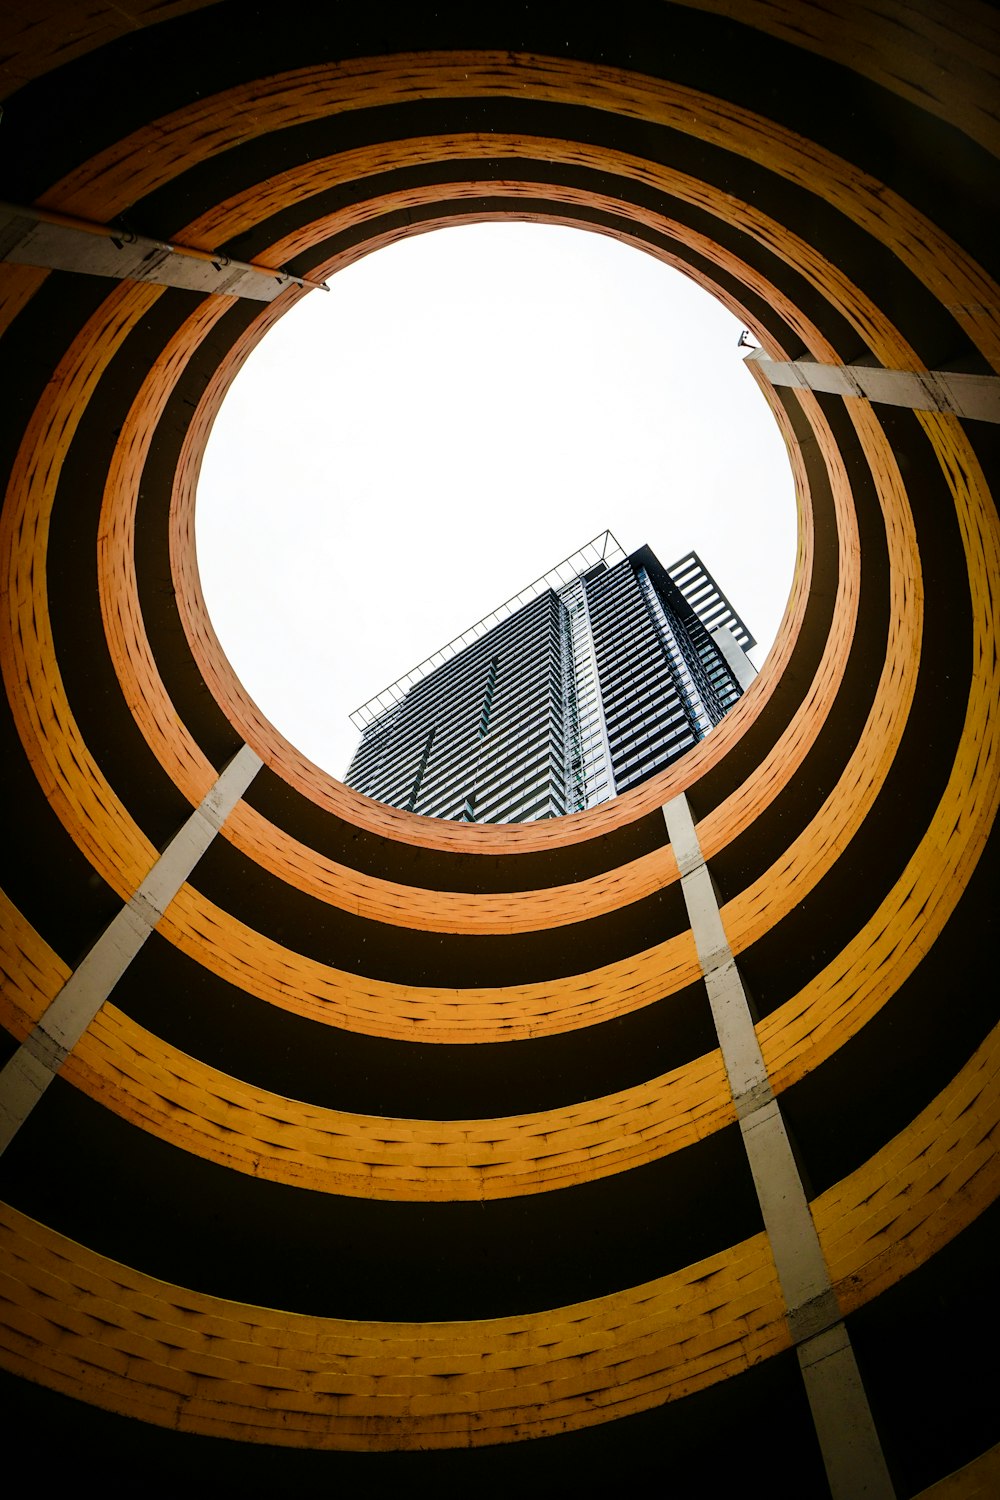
pixel 462 411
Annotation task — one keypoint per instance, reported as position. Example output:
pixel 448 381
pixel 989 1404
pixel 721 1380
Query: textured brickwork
pixel 18 284
pixel 62 762
pixel 979 1480
pixel 129 648
pixel 844 807
pixel 330 1151
pixel 205 1365
pixel 865 37
pixel 30 973
pixel 809 857
pixel 264 968
pixel 920 1190
pixel 42 34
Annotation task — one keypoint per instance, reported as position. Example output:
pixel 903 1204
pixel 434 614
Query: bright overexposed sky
pixel 458 414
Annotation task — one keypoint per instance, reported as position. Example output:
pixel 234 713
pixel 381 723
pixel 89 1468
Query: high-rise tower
pixel 584 684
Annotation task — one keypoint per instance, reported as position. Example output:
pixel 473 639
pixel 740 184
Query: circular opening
pixel 460 412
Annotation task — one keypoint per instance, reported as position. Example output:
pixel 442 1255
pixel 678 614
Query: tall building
pixel 586 683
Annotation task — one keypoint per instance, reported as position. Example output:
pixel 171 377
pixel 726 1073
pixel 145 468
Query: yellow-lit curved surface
pixel 396 1135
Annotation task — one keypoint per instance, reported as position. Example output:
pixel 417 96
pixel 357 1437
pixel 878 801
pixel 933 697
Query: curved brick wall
pixel 418 1139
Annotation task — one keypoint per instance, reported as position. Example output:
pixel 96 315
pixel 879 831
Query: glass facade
pixel 594 684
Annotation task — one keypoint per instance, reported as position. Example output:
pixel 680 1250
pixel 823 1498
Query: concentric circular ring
pixel 388 1134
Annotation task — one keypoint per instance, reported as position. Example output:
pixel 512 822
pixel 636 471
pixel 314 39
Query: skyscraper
pixel 584 684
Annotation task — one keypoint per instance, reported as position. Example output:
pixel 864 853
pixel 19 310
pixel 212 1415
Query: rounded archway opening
pixel 462 411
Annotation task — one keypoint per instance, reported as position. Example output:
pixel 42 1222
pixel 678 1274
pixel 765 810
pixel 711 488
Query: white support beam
pixel 851 1450
pixel 976 397
pixel 849 1443
pixel 37 1061
pixel 31 237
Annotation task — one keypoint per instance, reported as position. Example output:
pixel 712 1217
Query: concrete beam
pixel 975 397
pixel 852 1453
pixel 31 237
pixel 37 1061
